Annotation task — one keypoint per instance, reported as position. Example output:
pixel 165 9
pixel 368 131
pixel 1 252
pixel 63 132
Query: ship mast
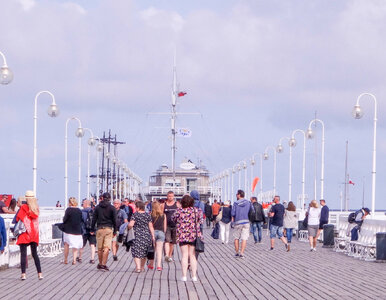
pixel 173 120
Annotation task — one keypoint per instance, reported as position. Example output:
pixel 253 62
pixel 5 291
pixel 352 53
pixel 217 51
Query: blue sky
pixel 255 70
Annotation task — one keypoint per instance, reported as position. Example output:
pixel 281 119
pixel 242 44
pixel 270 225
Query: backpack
pixel 352 216
pixel 88 222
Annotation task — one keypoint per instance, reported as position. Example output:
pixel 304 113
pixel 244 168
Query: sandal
pixel 74 263
pixel 150 267
pixel 137 271
pixel 92 261
pixel 79 260
pixel 23 277
pixel 64 262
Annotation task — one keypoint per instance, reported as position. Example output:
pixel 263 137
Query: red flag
pixel 180 94
pixel 254 183
pixel 350 182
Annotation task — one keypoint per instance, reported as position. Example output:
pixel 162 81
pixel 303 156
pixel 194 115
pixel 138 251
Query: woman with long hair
pixel 158 219
pixel 313 223
pixel 72 232
pixel 188 220
pixel 290 221
pixel 29 215
pixel 12 206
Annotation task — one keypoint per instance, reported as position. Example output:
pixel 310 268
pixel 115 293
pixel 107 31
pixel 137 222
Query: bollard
pixel 56 232
pixel 381 247
pixel 328 236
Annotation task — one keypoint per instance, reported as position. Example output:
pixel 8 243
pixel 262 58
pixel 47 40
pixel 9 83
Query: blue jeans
pixel 289 234
pixel 258 226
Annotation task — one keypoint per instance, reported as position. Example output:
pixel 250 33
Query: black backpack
pixel 88 222
pixel 352 216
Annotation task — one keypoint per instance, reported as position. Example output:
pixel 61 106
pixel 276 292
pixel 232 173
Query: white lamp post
pixel 79 134
pixel 357 114
pixel 310 135
pixel 90 143
pixel 253 162
pixel 99 149
pixel 292 143
pixel 234 170
pixel 6 75
pixel 280 149
pixel 266 157
pixel 53 111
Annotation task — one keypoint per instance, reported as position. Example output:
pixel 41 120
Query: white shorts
pixel 241 232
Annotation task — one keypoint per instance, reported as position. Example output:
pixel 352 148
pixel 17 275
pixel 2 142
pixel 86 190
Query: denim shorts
pixel 159 236
pixel 276 230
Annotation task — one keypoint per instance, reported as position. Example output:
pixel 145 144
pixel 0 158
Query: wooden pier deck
pixel 263 274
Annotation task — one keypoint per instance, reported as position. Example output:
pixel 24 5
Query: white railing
pixel 159 190
pixel 48 217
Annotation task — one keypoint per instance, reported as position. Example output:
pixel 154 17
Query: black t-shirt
pixel 158 222
pixel 278 210
pixel 2 204
pixel 169 210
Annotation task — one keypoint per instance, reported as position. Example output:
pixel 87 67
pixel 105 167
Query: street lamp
pixel 357 114
pixel 79 134
pixel 90 143
pixel 280 149
pixel 52 111
pixel 99 149
pixel 310 135
pixel 266 157
pixel 292 143
pixel 6 75
pixel 253 162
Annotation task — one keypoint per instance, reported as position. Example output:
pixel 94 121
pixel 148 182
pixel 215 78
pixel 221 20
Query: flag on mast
pixel 181 94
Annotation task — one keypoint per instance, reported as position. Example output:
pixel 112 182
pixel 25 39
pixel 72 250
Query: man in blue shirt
pixel 324 215
pixel 276 228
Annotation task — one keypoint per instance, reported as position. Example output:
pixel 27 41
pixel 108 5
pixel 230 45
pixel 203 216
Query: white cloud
pixel 27 4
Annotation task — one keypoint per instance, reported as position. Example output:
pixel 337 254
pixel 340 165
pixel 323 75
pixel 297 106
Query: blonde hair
pixel 33 206
pixel 314 204
pixel 156 210
pixel 73 202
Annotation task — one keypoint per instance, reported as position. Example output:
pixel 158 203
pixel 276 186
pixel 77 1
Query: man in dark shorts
pixel 87 213
pixel 170 206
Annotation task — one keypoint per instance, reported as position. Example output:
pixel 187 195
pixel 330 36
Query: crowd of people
pixel 152 230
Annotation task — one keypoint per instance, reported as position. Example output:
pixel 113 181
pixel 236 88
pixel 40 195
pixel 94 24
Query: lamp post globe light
pixel 310 135
pixel 266 157
pixel 90 143
pixel 53 111
pixel 6 75
pixel 79 134
pixel 357 114
pixel 292 143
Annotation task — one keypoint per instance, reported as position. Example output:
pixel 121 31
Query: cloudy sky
pixel 254 70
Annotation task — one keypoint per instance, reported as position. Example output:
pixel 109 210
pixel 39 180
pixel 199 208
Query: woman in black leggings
pixel 29 215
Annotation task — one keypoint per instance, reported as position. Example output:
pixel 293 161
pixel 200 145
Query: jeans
pixel 276 230
pixel 258 226
pixel 208 220
pixel 289 234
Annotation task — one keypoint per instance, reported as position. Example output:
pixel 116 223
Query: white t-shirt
pixel 313 216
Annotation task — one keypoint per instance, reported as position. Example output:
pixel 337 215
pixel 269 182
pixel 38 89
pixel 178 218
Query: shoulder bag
pixel 19 229
pixel 219 216
pixel 198 243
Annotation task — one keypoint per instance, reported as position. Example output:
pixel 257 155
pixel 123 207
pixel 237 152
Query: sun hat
pixel 29 194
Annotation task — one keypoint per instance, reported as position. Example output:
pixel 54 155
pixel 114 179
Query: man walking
pixel 121 218
pixel 87 215
pixel 257 219
pixel 324 215
pixel 208 214
pixel 215 211
pixel 105 217
pixel 276 228
pixel 170 206
pixel 240 212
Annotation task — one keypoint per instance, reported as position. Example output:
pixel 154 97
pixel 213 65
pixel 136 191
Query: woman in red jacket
pixel 29 215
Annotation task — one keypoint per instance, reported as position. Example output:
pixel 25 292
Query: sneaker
pixel 170 259
pixel 256 242
pixel 314 250
pixel 159 268
pixel 166 258
pixel 184 279
pixel 242 256
pixel 237 255
pixel 92 261
pixel 40 276
pixel 115 258
pixel 288 247
pixel 23 277
pixel 99 267
pixel 271 248
pixel 194 279
pixel 105 268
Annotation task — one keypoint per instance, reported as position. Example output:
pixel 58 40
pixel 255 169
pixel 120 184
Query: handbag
pixel 150 252
pixel 198 243
pixel 219 216
pixel 19 229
